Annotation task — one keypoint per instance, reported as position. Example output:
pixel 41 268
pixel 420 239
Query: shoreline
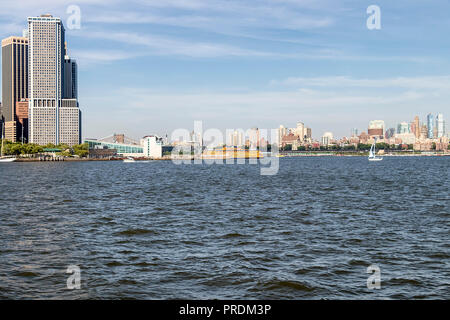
pixel 167 158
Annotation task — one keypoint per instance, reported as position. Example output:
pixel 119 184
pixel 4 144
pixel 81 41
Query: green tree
pixel 81 150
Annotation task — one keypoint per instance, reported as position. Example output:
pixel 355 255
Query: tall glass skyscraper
pixel 430 125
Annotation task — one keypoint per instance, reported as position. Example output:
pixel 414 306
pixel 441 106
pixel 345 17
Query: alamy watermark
pixel 374 20
pixel 74 19
pixel 374 281
pixel 74 281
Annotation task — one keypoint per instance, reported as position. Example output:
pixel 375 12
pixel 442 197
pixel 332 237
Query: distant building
pixel 152 146
pixel 300 130
pixel 440 125
pixel 406 138
pixel 376 129
pixel 389 133
pixel 403 127
pixel 423 131
pixel 292 140
pixel 354 132
pixel 327 138
pixel 236 138
pixel 14 82
pixel 282 131
pixel 416 127
pixel 430 126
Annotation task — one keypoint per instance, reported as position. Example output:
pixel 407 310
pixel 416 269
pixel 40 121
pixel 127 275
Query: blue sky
pixel 151 66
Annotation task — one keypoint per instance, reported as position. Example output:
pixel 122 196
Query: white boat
pixel 2 157
pixel 129 159
pixel 372 153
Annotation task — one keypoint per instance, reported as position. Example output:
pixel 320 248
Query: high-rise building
pixel 354 132
pixel 327 138
pixel 403 127
pixel 430 126
pixel 282 131
pixel 416 127
pixel 389 133
pixel 440 125
pixel 300 130
pixel 70 77
pixel 376 128
pixel 14 82
pixel 423 131
pixel 54 115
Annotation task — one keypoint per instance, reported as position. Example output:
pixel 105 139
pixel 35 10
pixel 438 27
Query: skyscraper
pixel 430 125
pixel 416 127
pixel 440 125
pixel 54 115
pixel 403 127
pixel 376 129
pixel 14 83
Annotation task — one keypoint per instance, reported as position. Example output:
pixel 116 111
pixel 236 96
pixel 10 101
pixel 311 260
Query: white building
pixel 327 138
pixel 152 146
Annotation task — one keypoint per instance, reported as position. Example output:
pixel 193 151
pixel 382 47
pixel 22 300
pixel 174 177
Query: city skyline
pixel 292 62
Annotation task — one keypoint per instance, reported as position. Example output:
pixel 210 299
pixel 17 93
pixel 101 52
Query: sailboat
pixel 372 153
pixel 2 157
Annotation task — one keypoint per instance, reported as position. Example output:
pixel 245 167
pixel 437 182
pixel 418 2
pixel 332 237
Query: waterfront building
pixel 54 115
pixel 292 140
pixel 125 150
pixel 152 146
pixel 376 129
pixel 236 138
pixel 14 83
pixel 308 135
pixel 327 138
pixel 300 130
pixel 440 125
pixel 282 131
pixel 430 126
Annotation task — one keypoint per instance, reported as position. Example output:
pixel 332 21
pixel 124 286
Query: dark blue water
pixel 160 231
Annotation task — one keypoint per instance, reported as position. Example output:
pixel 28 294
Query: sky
pixel 152 66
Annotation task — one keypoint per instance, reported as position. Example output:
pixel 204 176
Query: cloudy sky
pixel 151 66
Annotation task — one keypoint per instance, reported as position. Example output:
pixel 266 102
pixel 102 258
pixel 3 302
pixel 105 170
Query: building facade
pixel 14 83
pixel 430 126
pixel 440 125
pixel 152 147
pixel 54 115
pixel 376 129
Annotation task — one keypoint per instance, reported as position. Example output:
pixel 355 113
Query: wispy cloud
pixel 427 82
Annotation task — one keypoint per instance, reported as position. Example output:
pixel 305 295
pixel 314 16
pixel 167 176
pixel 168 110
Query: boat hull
pixel 375 159
pixel 7 160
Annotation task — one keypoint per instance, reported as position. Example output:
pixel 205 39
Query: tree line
pixel 17 148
